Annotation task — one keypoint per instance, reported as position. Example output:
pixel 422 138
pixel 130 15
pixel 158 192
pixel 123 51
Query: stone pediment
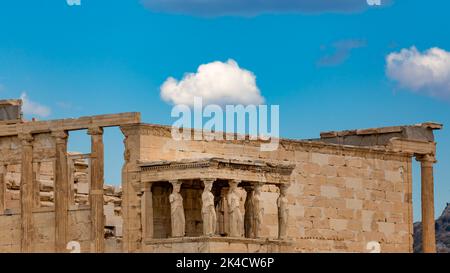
pixel 216 168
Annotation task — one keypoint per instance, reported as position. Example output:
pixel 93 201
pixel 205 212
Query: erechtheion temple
pixel 336 193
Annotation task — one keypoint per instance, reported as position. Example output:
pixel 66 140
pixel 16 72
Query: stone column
pixel 36 186
pixel 26 192
pixel 147 211
pixel 96 191
pixel 178 219
pixel 428 229
pixel 283 212
pixel 131 201
pixel 3 169
pixel 61 191
pixel 71 180
pixel 209 215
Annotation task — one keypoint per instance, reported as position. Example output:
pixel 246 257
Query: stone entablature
pixel 217 168
pixel 382 136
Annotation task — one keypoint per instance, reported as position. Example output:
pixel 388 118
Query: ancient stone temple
pixel 337 193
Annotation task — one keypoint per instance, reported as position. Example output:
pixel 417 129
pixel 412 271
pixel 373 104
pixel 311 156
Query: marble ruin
pixel 336 193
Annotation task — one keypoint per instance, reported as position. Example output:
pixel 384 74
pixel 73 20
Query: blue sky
pixel 325 67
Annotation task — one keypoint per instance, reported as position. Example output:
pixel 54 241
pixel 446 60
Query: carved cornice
pixel 412 147
pixel 175 166
pixel 322 238
pixel 219 163
pixel 216 168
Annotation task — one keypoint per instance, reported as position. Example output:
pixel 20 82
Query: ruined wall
pixel 43 212
pixel 10 233
pixel 340 197
pixel 10 220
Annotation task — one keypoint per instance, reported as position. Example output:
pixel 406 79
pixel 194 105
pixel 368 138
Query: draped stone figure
pixel 177 211
pixel 208 210
pixel 248 216
pixel 235 216
pixel 283 212
pixel 220 213
pixel 258 212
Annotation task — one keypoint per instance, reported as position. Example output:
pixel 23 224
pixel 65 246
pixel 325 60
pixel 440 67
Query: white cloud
pixel 32 108
pixel 216 83
pixel 425 72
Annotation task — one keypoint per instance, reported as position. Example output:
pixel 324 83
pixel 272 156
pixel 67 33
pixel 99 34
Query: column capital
pixel 147 187
pixel 95 131
pixel 208 180
pixel 283 188
pixel 259 184
pixel 235 181
pixel 252 186
pixel 60 136
pixel 174 181
pixel 26 138
pixel 426 159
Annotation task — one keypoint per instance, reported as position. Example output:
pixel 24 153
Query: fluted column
pixel 26 192
pixel 36 186
pixel 147 211
pixel 96 192
pixel 428 224
pixel 70 175
pixel 61 191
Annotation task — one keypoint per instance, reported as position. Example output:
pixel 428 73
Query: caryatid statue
pixel 177 210
pixel 283 212
pixel 236 221
pixel 258 211
pixel 208 209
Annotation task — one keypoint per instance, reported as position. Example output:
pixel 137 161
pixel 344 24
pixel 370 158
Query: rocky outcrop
pixel 442 227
